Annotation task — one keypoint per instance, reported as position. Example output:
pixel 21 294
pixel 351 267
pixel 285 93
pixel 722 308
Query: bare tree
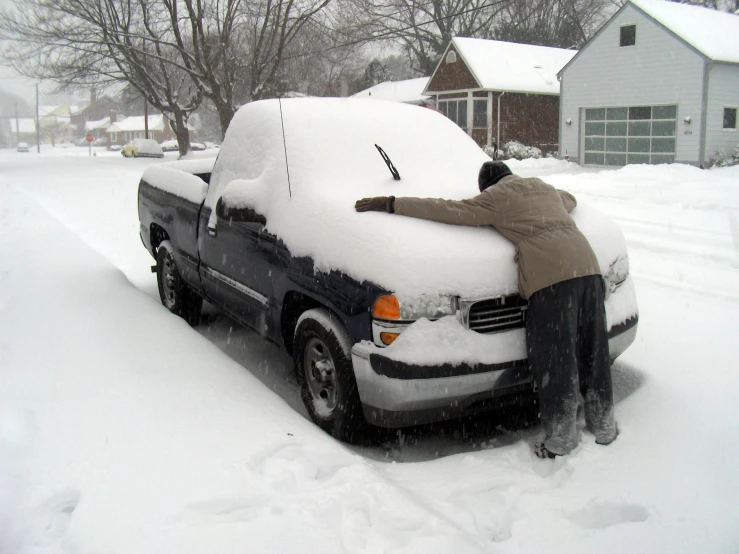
pixel 559 23
pixel 97 42
pixel 424 28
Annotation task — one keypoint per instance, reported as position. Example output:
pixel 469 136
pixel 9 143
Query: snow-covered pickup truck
pixel 392 320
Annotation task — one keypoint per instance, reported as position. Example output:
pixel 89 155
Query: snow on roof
pixel 513 67
pixel 712 32
pixel 136 123
pixel 99 124
pixel 25 124
pixel 408 91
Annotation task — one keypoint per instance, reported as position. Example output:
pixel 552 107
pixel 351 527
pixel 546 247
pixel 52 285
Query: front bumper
pixel 397 394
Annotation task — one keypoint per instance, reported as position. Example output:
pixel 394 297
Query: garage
pixel 630 135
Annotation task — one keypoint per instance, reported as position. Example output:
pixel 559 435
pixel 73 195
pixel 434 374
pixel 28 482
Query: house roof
pixel 512 67
pixel 136 123
pixel 99 124
pixel 712 32
pixel 408 91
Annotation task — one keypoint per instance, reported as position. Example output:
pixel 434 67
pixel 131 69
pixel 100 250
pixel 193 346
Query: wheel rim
pixel 320 374
pixel 168 269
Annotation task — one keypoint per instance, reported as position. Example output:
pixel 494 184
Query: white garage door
pixel 630 135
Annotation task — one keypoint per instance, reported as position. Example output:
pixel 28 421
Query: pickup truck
pixel 392 321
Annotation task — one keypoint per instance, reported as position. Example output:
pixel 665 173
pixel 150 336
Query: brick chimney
pixel 113 116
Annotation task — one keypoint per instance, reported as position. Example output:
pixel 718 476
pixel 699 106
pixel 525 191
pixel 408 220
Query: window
pixel 456 110
pixel 729 118
pixel 113 137
pixel 635 135
pixel 451 57
pixel 480 114
pixel 628 35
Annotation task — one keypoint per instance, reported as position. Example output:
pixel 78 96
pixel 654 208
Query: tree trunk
pixel 226 112
pixel 179 126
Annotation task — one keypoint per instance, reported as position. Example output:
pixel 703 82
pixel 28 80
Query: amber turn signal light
pixel 386 307
pixel 388 338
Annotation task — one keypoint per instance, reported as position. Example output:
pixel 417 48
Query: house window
pixel 451 56
pixel 730 118
pixel 113 137
pixel 480 114
pixel 628 35
pixel 456 110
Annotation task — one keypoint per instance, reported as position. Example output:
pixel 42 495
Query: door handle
pixel 212 231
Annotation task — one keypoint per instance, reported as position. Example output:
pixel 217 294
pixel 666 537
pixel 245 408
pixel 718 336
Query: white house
pixel 658 83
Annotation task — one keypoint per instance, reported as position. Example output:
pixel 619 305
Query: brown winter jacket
pixel 533 215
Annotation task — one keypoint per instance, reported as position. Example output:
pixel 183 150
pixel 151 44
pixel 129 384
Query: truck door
pixel 236 258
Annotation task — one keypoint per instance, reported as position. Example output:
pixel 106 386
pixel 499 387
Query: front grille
pixel 497 314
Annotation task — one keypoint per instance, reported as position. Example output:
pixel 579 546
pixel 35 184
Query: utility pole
pixel 38 125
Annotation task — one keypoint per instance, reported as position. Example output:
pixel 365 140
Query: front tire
pixel 322 354
pixel 175 294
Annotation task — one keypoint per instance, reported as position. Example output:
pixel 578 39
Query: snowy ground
pixel 123 430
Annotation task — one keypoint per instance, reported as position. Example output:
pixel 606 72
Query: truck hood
pixel 306 181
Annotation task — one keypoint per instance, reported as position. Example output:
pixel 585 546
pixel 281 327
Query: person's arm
pixel 568 200
pixel 476 211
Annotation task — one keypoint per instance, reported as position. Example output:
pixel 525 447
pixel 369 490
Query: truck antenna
pixel 284 144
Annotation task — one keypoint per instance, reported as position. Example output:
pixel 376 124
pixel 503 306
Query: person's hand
pixel 376 204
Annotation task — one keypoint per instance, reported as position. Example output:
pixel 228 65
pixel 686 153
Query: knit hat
pixel 491 173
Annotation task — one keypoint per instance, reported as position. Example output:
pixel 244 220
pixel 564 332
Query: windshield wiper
pixel 390 165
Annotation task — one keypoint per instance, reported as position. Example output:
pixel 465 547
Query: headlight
pixel 410 309
pixel 617 273
pixel 392 314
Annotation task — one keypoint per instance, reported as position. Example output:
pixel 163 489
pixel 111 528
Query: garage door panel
pixel 616 145
pixel 615 159
pixel 638 158
pixel 640 128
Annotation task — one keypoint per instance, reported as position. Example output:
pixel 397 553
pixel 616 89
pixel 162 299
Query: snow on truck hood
pixel 333 162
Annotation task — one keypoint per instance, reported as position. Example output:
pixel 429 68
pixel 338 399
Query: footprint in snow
pixel 599 514
pixel 50 520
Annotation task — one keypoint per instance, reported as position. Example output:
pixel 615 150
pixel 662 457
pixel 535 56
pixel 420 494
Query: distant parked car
pixel 142 148
pixel 115 147
pixel 170 145
pixel 22 147
pixel 197 146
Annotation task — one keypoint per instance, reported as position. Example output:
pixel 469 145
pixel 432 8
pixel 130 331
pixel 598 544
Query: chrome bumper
pixel 400 399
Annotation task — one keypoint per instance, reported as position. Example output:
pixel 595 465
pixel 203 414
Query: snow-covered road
pixel 124 430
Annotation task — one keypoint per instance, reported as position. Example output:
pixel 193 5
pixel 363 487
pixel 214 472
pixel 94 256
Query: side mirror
pixel 243 215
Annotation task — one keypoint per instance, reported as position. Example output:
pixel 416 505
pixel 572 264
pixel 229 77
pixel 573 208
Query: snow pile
pixel 123 430
pixel 333 162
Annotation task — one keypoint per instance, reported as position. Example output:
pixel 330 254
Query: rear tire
pixel 324 371
pixel 175 294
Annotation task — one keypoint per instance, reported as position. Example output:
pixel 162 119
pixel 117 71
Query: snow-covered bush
pixel 513 150
pixel 722 160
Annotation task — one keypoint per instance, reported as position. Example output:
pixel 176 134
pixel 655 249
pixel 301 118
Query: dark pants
pixel 567 343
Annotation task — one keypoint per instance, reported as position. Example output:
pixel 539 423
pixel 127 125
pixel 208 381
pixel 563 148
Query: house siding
pixel 530 119
pixel 658 69
pixel 723 91
pixel 452 76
